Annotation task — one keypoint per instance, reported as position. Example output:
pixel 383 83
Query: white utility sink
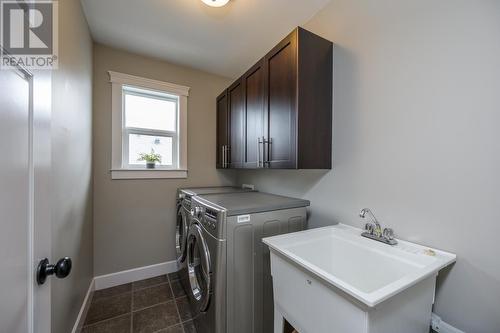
pixel 331 279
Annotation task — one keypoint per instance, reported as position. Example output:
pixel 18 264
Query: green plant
pixel 151 157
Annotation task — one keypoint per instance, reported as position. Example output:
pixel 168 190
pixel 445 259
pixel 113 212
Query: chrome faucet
pixel 378 228
pixel 373 229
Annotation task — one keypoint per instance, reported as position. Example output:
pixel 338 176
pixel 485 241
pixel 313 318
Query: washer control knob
pixel 196 211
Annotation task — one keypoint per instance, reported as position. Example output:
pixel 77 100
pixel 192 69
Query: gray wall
pixel 72 164
pixel 134 220
pixel 417 108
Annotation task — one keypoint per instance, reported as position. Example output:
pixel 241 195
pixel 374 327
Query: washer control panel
pixel 186 202
pixel 209 216
pixel 206 216
pixel 210 220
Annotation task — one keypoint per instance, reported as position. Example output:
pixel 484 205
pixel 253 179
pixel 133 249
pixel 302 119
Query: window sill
pixel 148 173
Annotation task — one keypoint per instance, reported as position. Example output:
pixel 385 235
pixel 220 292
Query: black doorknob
pixel 61 269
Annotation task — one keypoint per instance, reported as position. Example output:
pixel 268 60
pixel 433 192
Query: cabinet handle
pixel 222 156
pixel 258 151
pixel 227 156
pixel 267 153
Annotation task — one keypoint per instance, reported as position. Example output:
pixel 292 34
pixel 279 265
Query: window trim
pixel 120 170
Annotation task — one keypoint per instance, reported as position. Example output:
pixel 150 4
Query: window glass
pixel 150 112
pixel 139 143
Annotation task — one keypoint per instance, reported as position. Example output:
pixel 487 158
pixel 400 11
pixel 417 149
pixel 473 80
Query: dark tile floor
pixel 156 305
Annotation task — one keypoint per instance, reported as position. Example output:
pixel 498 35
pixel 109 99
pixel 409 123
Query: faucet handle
pixel 369 228
pixel 388 233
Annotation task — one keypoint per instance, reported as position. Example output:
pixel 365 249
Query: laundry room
pixel 250 166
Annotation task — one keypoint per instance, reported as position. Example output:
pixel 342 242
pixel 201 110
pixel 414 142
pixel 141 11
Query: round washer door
pixel 181 233
pixel 198 262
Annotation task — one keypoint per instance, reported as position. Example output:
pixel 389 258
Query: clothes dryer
pixel 228 265
pixel 183 208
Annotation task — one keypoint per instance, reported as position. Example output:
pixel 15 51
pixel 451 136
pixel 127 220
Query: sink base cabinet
pixel 312 306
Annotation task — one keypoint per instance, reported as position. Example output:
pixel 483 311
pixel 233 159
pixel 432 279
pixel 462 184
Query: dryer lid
pixel 250 202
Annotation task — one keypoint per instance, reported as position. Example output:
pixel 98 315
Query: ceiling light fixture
pixel 215 3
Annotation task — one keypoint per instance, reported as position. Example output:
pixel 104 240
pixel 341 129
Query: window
pixel 148 116
pixel 150 125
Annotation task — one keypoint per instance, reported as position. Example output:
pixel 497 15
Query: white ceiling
pixel 224 41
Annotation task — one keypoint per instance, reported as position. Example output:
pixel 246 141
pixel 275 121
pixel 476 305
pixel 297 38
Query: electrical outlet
pixel 436 323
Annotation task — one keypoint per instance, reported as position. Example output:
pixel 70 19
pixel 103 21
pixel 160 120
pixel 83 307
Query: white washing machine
pixel 183 207
pixel 228 265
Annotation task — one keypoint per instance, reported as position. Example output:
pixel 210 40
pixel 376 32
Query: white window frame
pixel 126 131
pixel 120 168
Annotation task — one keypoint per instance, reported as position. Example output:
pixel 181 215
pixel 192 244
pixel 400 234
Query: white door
pixel 24 202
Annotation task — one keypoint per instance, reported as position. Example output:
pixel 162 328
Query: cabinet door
pixel 236 104
pixel 222 129
pixel 253 83
pixel 281 91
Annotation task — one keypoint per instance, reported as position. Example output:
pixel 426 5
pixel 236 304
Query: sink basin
pixel 367 270
pixel 334 280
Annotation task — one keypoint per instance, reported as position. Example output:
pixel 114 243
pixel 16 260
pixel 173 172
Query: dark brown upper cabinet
pixel 236 103
pixel 281 116
pixel 253 138
pixel 222 130
pixel 280 110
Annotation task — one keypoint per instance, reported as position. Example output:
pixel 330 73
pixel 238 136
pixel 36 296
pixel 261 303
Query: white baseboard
pixel 135 274
pixel 85 307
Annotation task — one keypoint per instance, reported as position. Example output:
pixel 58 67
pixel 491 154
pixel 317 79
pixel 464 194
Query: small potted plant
pixel 150 159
